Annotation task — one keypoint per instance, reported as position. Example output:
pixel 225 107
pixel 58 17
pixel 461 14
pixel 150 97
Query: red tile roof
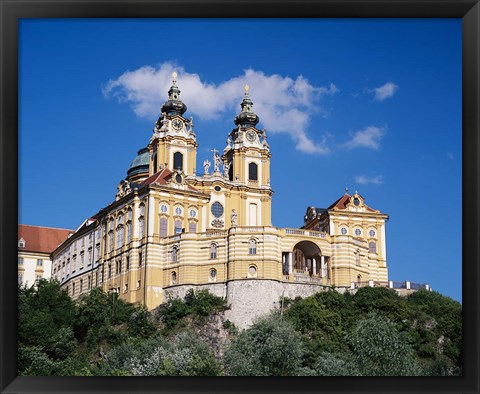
pixel 341 203
pixel 159 177
pixel 42 239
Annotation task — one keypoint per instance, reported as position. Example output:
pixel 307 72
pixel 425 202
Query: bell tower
pixel 247 157
pixel 173 144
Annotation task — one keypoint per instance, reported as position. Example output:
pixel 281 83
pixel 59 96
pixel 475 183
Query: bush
pixel 271 347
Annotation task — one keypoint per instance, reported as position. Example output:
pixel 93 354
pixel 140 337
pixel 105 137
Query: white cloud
pixel 369 137
pixel 385 91
pixel 284 105
pixel 365 180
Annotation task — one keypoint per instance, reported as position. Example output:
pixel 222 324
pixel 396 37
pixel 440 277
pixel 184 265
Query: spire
pixel 174 105
pixel 247 117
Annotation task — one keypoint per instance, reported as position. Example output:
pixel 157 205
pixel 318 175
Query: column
pixel 314 266
pixel 322 265
pixel 290 262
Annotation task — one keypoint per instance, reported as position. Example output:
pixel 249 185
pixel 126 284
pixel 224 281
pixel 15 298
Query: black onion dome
pixel 247 117
pixel 174 106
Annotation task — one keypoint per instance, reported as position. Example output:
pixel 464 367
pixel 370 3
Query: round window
pixel 178 178
pixel 217 209
pixel 358 231
pixel 252 270
pixel 193 213
pixel 343 231
pixel 356 201
pixel 163 208
pixel 217 188
pixel 178 211
pixel 372 233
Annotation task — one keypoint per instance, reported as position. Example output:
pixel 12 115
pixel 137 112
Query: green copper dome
pixel 140 163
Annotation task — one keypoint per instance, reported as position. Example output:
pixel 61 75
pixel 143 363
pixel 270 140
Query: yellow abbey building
pixel 175 225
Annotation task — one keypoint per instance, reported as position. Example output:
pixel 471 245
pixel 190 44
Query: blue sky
pixel 369 104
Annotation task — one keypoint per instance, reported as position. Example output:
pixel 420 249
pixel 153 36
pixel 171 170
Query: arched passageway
pixel 306 259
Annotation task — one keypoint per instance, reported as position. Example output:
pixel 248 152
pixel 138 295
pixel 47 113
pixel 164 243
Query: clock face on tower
pixel 177 124
pixel 251 135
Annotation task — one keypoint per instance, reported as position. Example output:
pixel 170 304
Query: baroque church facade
pixel 172 228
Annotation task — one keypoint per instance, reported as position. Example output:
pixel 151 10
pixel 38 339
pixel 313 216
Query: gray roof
pixel 140 163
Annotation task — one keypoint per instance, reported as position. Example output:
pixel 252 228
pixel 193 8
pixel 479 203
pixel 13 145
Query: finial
pixel 246 88
pixel 346 190
pixel 174 76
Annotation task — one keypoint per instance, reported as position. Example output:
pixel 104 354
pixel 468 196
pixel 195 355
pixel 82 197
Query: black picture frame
pixel 11 11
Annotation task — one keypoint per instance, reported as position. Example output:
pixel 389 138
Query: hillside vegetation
pixel 374 332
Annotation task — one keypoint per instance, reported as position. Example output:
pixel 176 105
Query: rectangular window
pixel 82 259
pixel 141 226
pixel 37 279
pixel 178 227
pixel 192 227
pixel 129 231
pixel 73 288
pixel 125 287
pixel 253 214
pixel 138 284
pixel 372 247
pixel 39 263
pixel 163 227
pixel 110 240
pixel 109 271
pixel 20 261
pixel 139 259
pixel 128 263
pixel 81 285
pixel 20 279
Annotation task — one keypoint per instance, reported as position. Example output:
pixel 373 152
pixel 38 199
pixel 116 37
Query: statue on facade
pixel 233 218
pixel 164 121
pixel 190 130
pixel 226 167
pixel 217 161
pixel 206 166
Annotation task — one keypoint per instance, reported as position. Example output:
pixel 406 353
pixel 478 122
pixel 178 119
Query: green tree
pixel 380 350
pixel 270 347
pixel 329 365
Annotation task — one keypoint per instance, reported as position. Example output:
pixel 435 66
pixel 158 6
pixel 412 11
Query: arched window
pixel 119 236
pixel 230 172
pixel 252 249
pixel 372 247
pixel 174 277
pixel 175 254
pixel 253 172
pixel 213 251
pixel 177 161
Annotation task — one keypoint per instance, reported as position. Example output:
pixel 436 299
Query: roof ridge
pixel 53 228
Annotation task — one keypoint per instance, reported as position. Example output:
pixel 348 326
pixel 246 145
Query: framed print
pixel 248 197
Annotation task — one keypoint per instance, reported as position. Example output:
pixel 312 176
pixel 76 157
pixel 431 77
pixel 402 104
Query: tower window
pixel 252 249
pixel 253 172
pixel 177 161
pixel 372 247
pixel 174 254
pixel 213 251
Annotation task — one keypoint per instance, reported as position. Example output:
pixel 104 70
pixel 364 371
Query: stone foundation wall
pixel 217 289
pixel 250 299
